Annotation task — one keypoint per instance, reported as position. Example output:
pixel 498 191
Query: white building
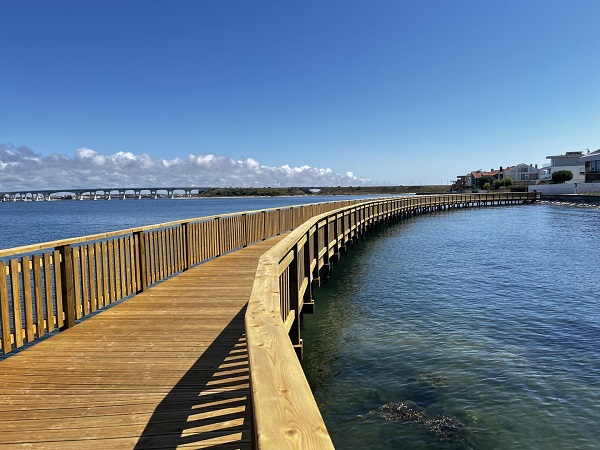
pixel 570 161
pixel 591 163
pixel 522 173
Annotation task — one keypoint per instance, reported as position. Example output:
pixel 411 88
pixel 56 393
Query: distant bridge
pixel 100 193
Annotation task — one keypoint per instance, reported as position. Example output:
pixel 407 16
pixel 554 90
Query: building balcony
pixel 592 177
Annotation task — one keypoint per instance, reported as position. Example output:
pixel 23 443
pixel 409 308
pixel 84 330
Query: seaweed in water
pixel 445 428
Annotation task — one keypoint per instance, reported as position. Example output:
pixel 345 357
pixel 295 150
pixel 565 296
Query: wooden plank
pixel 177 249
pixel 27 298
pixel 16 303
pixel 106 293
pixel 131 271
pixel 47 266
pixel 150 258
pixel 155 273
pixel 112 282
pixel 127 290
pixel 98 276
pixel 4 310
pixel 171 249
pixel 86 281
pixel 36 264
pixel 161 255
pixel 286 261
pixel 78 276
pixel 123 276
pixel 58 291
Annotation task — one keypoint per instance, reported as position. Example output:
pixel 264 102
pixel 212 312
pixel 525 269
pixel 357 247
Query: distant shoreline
pixel 581 200
pixel 325 191
pixel 232 192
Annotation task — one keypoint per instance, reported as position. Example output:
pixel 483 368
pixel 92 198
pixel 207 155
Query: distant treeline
pixel 339 190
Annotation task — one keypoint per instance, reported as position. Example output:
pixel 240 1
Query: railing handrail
pixel 99 236
pixel 49 286
pixel 284 411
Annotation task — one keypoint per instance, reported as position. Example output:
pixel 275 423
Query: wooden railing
pixel 50 286
pixel 285 414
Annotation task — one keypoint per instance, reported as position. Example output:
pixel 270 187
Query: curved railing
pixel 50 286
pixel 284 412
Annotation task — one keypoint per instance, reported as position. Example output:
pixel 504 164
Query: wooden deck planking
pixel 167 368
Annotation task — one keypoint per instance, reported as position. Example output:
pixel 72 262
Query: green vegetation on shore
pixel 250 192
pixel 339 190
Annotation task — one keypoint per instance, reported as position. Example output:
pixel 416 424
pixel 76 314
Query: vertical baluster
pixel 86 281
pixel 4 310
pixel 37 290
pixel 27 298
pixel 123 276
pixel 105 275
pixel 50 322
pixel 78 276
pixel 99 276
pixel 57 263
pixel 16 303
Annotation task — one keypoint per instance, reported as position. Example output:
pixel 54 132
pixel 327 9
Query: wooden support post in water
pixel 66 278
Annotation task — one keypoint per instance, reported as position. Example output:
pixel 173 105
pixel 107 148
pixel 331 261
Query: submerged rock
pixel 401 411
pixel 434 381
pixel 445 428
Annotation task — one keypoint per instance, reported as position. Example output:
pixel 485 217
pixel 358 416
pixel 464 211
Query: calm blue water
pixel 488 318
pixel 24 223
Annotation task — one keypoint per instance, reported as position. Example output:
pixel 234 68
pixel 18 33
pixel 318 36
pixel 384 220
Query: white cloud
pixel 21 168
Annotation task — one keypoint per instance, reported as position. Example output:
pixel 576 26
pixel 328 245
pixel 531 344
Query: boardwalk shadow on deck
pixel 209 407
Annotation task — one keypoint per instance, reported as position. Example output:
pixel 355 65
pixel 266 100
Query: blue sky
pixel 394 92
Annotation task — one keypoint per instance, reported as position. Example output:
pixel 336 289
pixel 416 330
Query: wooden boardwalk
pixel 167 368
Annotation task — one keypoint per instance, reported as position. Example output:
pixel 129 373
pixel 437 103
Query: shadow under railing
pixel 210 406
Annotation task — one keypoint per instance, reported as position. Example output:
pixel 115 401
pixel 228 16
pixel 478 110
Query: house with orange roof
pixel 478 178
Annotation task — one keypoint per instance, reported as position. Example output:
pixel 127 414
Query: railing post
pixel 187 254
pixel 326 261
pixel 309 304
pixel 294 287
pixel 245 226
pixel 316 280
pixel 67 288
pixel 279 222
pixel 219 236
pixel 142 261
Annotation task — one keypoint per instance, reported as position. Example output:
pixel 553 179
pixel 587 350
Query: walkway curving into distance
pixel 167 368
